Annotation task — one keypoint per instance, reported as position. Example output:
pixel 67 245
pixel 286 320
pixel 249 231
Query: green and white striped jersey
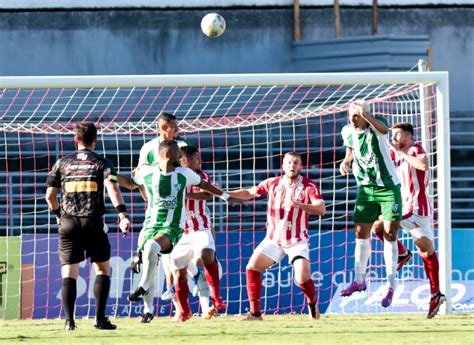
pixel 149 152
pixel 373 164
pixel 165 193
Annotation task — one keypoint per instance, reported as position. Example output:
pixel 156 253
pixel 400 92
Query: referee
pixel 82 176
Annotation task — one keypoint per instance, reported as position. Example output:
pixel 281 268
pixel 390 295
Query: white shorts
pixel 277 253
pixel 191 245
pixel 418 227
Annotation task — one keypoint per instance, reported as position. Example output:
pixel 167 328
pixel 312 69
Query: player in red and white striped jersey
pixel 197 216
pixel 412 166
pixel 197 240
pixel 291 199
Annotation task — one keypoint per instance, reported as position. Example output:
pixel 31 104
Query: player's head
pixel 292 164
pixel 167 126
pixel 190 158
pixel 402 135
pixel 356 110
pixel 85 133
pixel 169 150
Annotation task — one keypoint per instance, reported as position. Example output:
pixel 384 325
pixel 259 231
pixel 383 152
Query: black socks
pixel 101 293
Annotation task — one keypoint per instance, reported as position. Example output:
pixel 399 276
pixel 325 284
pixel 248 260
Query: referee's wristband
pixel 225 196
pixel 121 208
pixel 57 212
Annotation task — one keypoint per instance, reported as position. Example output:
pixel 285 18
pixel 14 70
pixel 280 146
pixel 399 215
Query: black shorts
pixel 78 235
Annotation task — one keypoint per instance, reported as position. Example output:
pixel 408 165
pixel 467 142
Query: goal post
pixel 242 123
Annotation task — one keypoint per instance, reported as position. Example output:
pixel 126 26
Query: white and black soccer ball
pixel 213 25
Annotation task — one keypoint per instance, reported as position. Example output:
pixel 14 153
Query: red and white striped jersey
pixel 414 184
pixel 197 213
pixel 287 226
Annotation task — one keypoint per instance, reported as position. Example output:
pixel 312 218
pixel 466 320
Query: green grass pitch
pixel 283 329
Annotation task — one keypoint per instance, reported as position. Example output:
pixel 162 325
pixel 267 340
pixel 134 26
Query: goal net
pixel 243 125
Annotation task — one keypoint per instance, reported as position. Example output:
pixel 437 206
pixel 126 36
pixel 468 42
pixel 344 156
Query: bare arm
pixel 51 197
pixel 243 194
pixel 317 207
pixel 125 182
pixel 117 199
pixel 52 200
pixel 210 188
pixel 419 162
pixel 143 193
pixel 378 125
pixel 345 166
pixel 206 186
pixel 199 196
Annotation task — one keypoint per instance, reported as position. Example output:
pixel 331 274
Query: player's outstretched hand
pixel 234 201
pixel 345 167
pixel 124 225
pixel 135 265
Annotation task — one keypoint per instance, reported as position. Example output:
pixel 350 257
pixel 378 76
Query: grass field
pixel 292 329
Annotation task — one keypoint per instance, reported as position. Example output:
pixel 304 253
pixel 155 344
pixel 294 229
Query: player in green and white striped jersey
pixel 367 150
pixel 167 125
pixel 168 130
pixel 165 186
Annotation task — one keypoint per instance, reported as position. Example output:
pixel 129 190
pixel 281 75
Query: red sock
pixel 308 289
pixel 254 290
pixel 211 272
pixel 401 248
pixel 182 293
pixel 432 272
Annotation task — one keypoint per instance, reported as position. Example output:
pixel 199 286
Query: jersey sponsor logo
pixel 80 186
pixel 86 165
pixel 370 161
pixel 82 156
pixel 76 167
pixel 168 203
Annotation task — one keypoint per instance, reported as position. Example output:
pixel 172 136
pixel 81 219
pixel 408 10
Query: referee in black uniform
pixel 82 176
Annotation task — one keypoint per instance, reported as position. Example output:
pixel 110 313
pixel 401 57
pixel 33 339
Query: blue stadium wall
pixel 257 40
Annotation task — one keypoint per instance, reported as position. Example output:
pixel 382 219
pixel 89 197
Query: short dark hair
pixel 189 151
pixel 166 117
pixel 86 133
pixel 404 126
pixel 166 145
pixel 294 154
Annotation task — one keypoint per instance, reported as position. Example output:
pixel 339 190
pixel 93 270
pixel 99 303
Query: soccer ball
pixel 213 25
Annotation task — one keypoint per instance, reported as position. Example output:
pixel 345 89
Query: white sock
pixel 150 260
pixel 390 255
pixel 204 302
pixel 176 306
pixel 192 268
pixel 361 258
pixel 148 306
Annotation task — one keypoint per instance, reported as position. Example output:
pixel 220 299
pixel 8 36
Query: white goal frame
pixel 440 79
